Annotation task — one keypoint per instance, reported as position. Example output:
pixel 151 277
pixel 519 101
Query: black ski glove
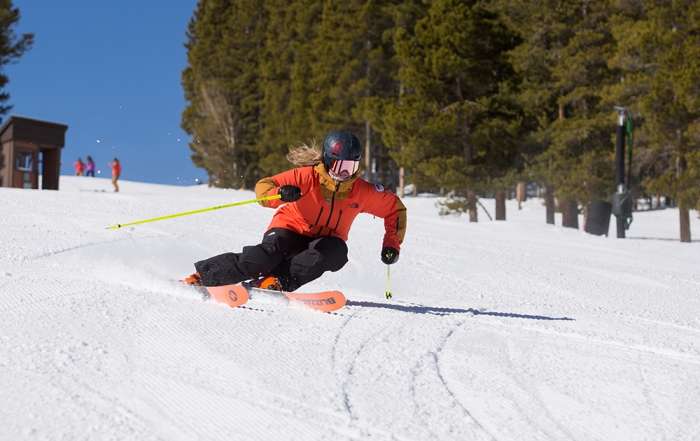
pixel 390 255
pixel 289 193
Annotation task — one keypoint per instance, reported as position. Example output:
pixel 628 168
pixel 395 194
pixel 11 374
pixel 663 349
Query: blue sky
pixel 111 72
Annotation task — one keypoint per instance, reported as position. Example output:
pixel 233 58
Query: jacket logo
pixel 328 201
pixel 378 187
pixel 354 205
pixel 336 147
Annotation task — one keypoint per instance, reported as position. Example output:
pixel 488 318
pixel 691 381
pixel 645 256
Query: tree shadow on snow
pixel 663 239
pixel 420 309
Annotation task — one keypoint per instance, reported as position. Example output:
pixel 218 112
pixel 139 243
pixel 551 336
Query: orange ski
pixel 232 295
pixel 237 295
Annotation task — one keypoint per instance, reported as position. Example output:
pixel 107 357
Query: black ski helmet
pixel 341 145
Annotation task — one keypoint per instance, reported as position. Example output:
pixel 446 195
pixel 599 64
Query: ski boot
pixel 269 282
pixel 193 280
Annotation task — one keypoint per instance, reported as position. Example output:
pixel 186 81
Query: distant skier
pixel 319 202
pixel 90 167
pixel 79 167
pixel 116 172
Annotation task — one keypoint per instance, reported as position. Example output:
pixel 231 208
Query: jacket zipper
pixel 328 221
pixel 317 218
pixel 340 214
pixel 330 213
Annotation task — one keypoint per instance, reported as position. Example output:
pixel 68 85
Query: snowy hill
pixel 497 330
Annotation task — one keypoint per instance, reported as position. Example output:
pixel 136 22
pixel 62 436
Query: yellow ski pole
pixel 387 294
pixel 187 213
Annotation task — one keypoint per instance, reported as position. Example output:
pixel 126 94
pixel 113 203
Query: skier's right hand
pixel 289 193
pixel 390 255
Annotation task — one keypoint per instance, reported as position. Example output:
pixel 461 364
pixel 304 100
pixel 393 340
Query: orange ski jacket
pixel 116 168
pixel 328 207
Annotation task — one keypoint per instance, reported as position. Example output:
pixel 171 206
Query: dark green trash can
pixel 598 220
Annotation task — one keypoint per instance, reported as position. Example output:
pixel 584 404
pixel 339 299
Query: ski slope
pixel 497 330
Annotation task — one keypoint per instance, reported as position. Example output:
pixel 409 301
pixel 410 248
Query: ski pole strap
pixel 187 213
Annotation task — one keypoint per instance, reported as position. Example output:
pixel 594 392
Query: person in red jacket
pixel 79 167
pixel 116 172
pixel 307 235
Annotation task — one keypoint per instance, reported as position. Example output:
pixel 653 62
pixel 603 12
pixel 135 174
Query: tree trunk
pixel 368 129
pixel 681 166
pixel 549 203
pixel 685 225
pixel 521 194
pixel 402 180
pixel 368 153
pixel 569 213
pixel 500 197
pixel 471 197
pixel 468 154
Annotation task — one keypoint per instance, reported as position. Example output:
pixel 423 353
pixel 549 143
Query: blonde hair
pixel 305 155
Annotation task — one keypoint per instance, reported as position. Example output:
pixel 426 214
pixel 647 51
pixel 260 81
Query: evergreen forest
pixel 463 98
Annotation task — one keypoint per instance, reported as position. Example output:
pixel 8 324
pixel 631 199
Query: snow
pixel 497 330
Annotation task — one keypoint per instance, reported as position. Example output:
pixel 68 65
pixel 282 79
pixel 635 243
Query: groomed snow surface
pixel 514 330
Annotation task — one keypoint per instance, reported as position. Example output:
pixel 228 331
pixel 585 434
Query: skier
pixel 116 172
pixel 318 203
pixel 90 167
pixel 79 167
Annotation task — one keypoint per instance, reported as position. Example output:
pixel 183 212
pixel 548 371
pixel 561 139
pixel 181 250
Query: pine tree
pixel 225 38
pixel 449 123
pixel 11 47
pixel 285 71
pixel 350 68
pixel 662 60
pixel 563 63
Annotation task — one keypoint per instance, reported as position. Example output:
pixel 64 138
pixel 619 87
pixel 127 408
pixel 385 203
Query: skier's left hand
pixel 390 255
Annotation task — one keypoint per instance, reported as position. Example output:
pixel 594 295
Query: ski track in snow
pixel 497 330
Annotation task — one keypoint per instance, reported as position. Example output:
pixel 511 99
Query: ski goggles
pixel 343 169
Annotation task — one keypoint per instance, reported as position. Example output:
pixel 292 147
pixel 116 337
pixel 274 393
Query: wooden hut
pixel 30 148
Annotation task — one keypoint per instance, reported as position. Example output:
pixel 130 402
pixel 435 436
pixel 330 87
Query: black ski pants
pixel 294 259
